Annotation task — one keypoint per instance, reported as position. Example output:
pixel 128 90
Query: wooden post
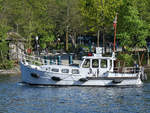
pixel 98 38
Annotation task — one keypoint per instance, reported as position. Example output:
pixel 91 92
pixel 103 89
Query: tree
pixel 67 19
pixel 30 18
pixel 4 49
pixel 132 30
pixel 131 27
pixel 4 28
pixel 99 14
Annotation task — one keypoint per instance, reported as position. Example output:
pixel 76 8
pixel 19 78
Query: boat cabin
pixel 97 64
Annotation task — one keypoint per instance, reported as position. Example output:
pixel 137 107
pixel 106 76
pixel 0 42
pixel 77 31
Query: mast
pixel 115 30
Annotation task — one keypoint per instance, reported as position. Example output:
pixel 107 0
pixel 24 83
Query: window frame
pixel 105 62
pixel 97 63
pixel 77 70
pixel 55 69
pixel 89 63
pixel 65 71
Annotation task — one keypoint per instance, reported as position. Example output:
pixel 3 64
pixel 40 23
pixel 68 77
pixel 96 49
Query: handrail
pixel 127 69
pixel 38 60
pixel 35 60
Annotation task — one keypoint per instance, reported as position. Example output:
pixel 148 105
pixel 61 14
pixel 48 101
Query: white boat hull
pixel 34 76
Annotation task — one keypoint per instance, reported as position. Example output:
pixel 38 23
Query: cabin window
pixel 65 70
pixel 86 63
pixel 75 71
pixel 55 70
pixel 95 63
pixel 103 63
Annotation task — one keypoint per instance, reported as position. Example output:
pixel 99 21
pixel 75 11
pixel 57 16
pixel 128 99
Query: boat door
pixel 104 66
pixel 85 66
pixel 95 67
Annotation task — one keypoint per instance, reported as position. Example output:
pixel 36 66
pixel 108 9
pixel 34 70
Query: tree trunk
pixel 3 60
pixel 67 39
pixel 147 58
pixel 103 36
pixel 139 57
pixel 147 55
pixel 73 40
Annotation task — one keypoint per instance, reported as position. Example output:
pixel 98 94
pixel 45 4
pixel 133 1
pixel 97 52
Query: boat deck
pixel 111 78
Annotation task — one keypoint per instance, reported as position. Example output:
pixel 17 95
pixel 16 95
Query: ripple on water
pixel 18 97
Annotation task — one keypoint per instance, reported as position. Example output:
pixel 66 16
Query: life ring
pixel 83 79
pixel 56 78
pixel 116 81
pixel 34 75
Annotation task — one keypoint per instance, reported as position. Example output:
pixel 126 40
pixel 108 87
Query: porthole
pixel 55 70
pixel 65 70
pixel 75 71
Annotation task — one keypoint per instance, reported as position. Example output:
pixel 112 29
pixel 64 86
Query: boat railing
pixel 35 60
pixel 31 59
pixel 127 69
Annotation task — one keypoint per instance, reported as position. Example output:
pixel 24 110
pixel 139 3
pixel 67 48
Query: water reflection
pixel 16 97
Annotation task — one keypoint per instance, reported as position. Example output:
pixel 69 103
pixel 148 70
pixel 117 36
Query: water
pixel 20 98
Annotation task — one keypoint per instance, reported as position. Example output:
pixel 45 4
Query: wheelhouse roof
pixel 99 57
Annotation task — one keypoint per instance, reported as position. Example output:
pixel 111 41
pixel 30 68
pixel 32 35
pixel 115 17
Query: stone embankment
pixel 14 71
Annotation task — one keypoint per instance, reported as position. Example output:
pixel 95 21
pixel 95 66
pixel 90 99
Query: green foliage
pixel 132 31
pixel 99 13
pixel 49 19
pixel 8 64
pixel 143 8
pixel 126 58
pixel 46 40
pixel 4 49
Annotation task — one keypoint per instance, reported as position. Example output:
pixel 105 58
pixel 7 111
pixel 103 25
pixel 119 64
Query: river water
pixel 16 97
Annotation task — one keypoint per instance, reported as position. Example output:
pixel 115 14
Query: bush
pixel 126 59
pixel 8 64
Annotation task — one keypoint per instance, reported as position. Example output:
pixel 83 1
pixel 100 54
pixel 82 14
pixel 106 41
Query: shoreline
pixel 14 71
